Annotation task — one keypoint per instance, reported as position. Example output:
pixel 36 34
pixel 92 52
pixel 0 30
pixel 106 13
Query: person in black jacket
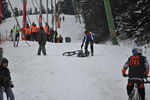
pixel 42 38
pixel 5 81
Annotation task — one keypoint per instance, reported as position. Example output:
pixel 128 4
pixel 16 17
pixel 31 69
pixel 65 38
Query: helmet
pixel 137 50
pixel 4 60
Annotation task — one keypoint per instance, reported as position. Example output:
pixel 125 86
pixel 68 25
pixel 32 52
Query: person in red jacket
pixel 138 68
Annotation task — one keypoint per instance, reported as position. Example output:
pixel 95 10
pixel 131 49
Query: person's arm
pixel 83 42
pixel 125 67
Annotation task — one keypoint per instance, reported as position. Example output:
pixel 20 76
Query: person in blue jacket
pixel 88 39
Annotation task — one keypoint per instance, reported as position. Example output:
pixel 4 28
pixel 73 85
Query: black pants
pixel 28 37
pixel 91 46
pixel 34 36
pixel 41 48
pixel 141 89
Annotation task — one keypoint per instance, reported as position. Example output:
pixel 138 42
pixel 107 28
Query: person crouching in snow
pixel 88 38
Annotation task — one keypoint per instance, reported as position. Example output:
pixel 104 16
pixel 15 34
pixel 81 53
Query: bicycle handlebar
pixel 139 79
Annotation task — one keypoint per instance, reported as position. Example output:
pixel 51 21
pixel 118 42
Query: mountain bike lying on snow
pixel 79 53
pixel 135 93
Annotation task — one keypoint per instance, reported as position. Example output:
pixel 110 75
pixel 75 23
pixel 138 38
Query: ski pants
pixel 8 92
pixel 91 46
pixel 141 89
pixel 41 48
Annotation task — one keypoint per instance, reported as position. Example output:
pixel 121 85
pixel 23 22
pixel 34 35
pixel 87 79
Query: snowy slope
pixel 57 77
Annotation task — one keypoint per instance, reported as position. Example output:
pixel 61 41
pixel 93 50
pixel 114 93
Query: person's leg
pixel 86 46
pixel 39 50
pixel 2 89
pixel 10 93
pixel 130 87
pixel 92 49
pixel 141 90
pixel 43 49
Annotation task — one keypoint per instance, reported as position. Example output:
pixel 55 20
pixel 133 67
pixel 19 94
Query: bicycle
pixel 135 94
pixel 79 53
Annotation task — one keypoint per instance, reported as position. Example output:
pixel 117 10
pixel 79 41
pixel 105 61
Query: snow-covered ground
pixel 57 77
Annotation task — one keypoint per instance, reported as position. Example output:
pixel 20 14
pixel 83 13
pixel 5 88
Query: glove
pixel 11 84
pixel 125 75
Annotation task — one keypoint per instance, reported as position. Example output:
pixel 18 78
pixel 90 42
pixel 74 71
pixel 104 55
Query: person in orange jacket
pixel 34 31
pixel 47 31
pixel 138 68
pixel 27 32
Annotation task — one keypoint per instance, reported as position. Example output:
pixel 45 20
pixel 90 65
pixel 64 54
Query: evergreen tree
pixel 5 11
pixel 134 22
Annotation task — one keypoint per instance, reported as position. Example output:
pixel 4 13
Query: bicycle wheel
pixel 69 53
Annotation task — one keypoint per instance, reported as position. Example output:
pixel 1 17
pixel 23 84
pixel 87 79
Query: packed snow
pixel 57 77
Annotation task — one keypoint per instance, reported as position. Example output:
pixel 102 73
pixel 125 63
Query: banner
pixel 24 20
pixel 0 11
pixel 24 13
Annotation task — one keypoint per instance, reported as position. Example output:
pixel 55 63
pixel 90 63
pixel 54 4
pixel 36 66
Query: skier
pixel 42 38
pixel 5 81
pixel 34 31
pixel 138 68
pixel 88 38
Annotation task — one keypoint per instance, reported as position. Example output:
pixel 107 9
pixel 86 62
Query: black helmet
pixel 4 60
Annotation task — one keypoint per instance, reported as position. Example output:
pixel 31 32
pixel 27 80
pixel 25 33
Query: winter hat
pixel 4 60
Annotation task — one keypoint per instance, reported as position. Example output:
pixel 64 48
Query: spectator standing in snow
pixel 16 35
pixel 88 38
pixel 5 81
pixel 42 38
pixel 34 31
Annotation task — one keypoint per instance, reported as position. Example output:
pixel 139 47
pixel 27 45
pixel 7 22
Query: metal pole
pixel 40 16
pixel 47 11
pixel 14 14
pixel 110 22
pixel 52 8
pixel 55 17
